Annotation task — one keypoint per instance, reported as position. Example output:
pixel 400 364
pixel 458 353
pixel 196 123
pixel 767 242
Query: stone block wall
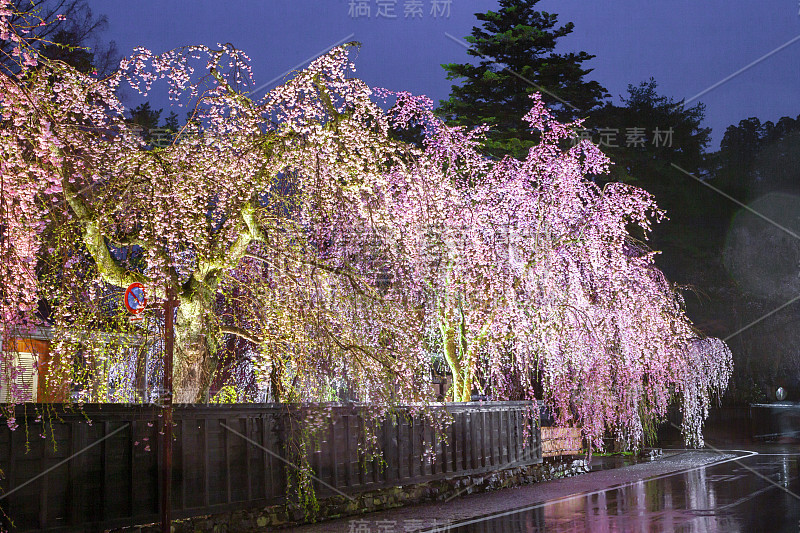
pixel 285 517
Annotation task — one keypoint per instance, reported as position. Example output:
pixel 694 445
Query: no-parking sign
pixel 135 298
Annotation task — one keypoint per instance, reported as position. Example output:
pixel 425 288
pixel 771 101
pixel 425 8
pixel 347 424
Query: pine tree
pixel 171 123
pixel 145 116
pixel 648 133
pixel 515 51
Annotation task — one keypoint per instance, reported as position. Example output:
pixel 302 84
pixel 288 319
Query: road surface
pixel 728 491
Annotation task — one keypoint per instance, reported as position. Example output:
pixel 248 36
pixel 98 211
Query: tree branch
pixel 242 333
pixel 110 269
pixel 339 271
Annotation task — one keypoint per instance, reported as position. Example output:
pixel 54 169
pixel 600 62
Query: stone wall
pixel 283 517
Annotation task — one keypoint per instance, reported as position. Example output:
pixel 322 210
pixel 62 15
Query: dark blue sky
pixel 688 46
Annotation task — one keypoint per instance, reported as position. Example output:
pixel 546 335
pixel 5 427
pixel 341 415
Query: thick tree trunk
pixel 194 366
pixel 451 356
pixel 456 353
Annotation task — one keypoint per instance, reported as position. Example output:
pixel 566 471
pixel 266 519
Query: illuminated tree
pixel 343 256
pixel 187 213
pixel 538 289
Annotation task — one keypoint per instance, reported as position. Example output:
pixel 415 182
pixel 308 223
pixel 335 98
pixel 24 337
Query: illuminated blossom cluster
pixel 536 282
pixel 346 259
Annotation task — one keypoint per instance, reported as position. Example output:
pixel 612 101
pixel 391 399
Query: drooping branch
pixel 242 333
pixel 339 271
pixel 109 268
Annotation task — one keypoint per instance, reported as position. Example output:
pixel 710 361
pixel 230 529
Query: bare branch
pixel 110 269
pixel 242 333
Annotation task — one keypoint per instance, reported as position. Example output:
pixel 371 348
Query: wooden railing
pixel 104 460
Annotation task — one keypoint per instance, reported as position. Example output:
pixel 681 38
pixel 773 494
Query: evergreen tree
pixel 145 117
pixel 755 158
pixel 758 164
pixel 171 122
pixel 515 47
pixel 644 136
pixel 649 132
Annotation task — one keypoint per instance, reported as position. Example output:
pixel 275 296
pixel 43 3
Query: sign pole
pixel 166 448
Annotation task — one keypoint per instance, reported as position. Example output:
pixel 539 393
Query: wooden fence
pixel 104 461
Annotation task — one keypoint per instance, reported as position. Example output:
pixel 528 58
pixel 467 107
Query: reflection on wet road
pixel 755 492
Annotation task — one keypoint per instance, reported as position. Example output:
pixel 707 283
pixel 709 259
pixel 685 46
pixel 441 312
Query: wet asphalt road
pixel 757 491
pixel 753 489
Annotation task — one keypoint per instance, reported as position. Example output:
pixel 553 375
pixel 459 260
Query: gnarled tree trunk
pixel 456 353
pixel 194 363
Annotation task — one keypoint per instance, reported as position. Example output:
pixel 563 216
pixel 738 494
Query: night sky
pixel 688 46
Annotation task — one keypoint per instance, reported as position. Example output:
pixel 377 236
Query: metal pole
pixel 166 447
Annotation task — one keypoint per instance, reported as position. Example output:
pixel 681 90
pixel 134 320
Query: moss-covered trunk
pixel 194 365
pixel 456 352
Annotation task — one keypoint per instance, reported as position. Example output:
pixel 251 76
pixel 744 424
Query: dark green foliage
pixel 759 164
pixel 515 58
pixel 144 116
pixel 645 111
pixel 653 133
pixel 156 132
pixel 756 158
pixel 68 50
pixel 171 122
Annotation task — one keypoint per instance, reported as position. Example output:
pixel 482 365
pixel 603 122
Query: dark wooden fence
pixel 105 463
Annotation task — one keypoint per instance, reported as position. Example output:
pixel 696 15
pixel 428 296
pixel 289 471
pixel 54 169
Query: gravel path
pixel 424 516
